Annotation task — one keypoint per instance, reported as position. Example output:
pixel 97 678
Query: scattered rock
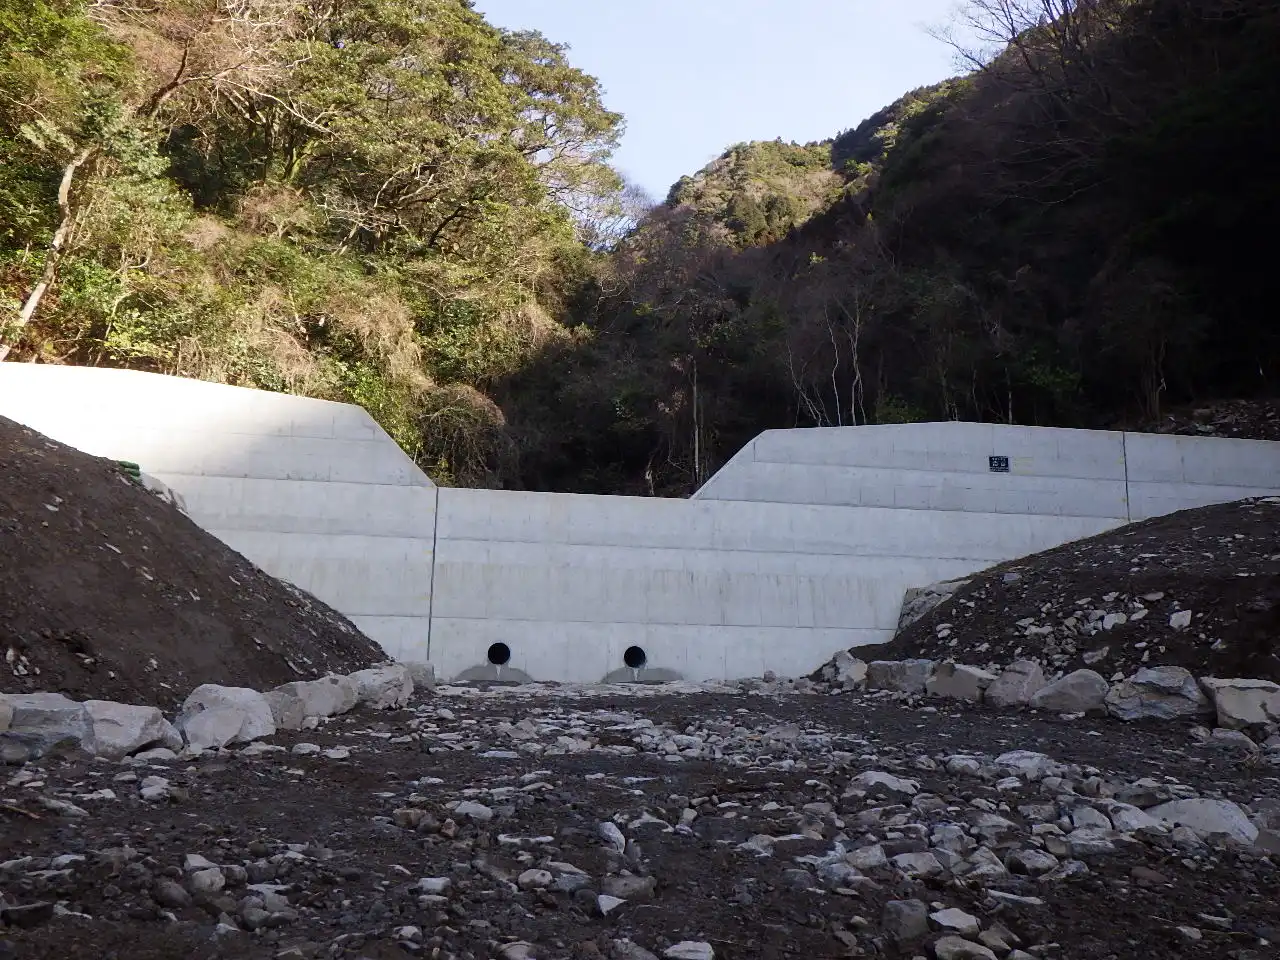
pixel 1206 817
pixel 1083 691
pixel 876 783
pixel 919 601
pixel 905 920
pixel 214 716
pixel 690 950
pixel 846 671
pixel 901 676
pixel 957 920
pixel 1015 687
pixel 1157 693
pixel 41 722
pixel 121 729
pixel 1244 703
pixel 957 948
pixel 958 682
pixel 327 697
pixel 384 687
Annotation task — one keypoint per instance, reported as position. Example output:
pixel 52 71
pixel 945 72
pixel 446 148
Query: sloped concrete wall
pixel 311 491
pixel 948 466
pixel 802 545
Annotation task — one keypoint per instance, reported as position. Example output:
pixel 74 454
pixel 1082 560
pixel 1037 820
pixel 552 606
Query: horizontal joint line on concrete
pixel 161 474
pixel 328 535
pixel 768 553
pixel 604 624
pixel 877 506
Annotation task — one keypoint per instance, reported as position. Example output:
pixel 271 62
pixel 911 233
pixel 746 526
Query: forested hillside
pixel 381 201
pixel 394 203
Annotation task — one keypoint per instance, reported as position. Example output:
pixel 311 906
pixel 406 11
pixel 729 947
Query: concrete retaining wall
pixel 802 545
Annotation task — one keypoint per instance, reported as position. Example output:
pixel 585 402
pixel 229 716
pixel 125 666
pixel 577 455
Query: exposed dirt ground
pixel 108 592
pixel 320 845
pixel 1112 602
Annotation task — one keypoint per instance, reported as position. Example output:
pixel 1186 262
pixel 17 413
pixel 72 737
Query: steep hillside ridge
pixel 756 193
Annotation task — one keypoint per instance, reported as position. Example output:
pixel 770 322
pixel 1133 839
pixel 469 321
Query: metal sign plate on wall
pixel 998 464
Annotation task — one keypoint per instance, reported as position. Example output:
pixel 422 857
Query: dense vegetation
pixel 391 202
pixel 366 200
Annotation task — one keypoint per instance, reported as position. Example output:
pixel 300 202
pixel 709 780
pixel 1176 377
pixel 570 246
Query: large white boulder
pixel 41 721
pixel 382 688
pixel 1015 687
pixel 1083 691
pixel 957 681
pixel 902 676
pixel 845 670
pixel 214 716
pixel 120 729
pixel 1159 693
pixel 1207 817
pixel 292 703
pixel 423 675
pixel 1243 703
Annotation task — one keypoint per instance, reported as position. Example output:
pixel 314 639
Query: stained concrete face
pixel 801 546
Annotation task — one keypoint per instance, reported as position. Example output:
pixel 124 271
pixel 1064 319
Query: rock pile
pixel 35 725
pixel 1151 693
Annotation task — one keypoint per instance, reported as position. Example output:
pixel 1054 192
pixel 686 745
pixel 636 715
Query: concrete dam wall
pixel 802 545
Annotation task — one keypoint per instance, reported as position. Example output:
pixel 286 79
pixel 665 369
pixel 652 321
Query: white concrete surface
pixel 802 545
pixel 946 466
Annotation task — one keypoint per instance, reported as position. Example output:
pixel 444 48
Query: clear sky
pixel 693 77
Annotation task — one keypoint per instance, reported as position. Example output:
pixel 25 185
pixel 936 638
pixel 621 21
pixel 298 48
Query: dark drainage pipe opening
pixel 635 657
pixel 499 654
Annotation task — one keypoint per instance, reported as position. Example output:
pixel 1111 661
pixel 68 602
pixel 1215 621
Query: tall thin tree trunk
pixel 54 253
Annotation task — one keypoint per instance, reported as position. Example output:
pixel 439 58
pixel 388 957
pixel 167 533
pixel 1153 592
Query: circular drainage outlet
pixel 499 654
pixel 635 657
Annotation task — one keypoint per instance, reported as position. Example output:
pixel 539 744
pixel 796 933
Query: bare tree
pixel 603 222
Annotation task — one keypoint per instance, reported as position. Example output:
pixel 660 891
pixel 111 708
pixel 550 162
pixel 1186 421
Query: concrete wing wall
pixel 1167 474
pixel 948 466
pixel 933 466
pixel 311 491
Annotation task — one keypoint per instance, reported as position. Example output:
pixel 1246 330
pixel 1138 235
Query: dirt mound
pixel 108 592
pixel 1198 589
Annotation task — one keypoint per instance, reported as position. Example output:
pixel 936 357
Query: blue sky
pixel 695 76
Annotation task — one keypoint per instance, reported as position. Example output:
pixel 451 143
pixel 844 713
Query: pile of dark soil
pixel 1198 589
pixel 108 592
